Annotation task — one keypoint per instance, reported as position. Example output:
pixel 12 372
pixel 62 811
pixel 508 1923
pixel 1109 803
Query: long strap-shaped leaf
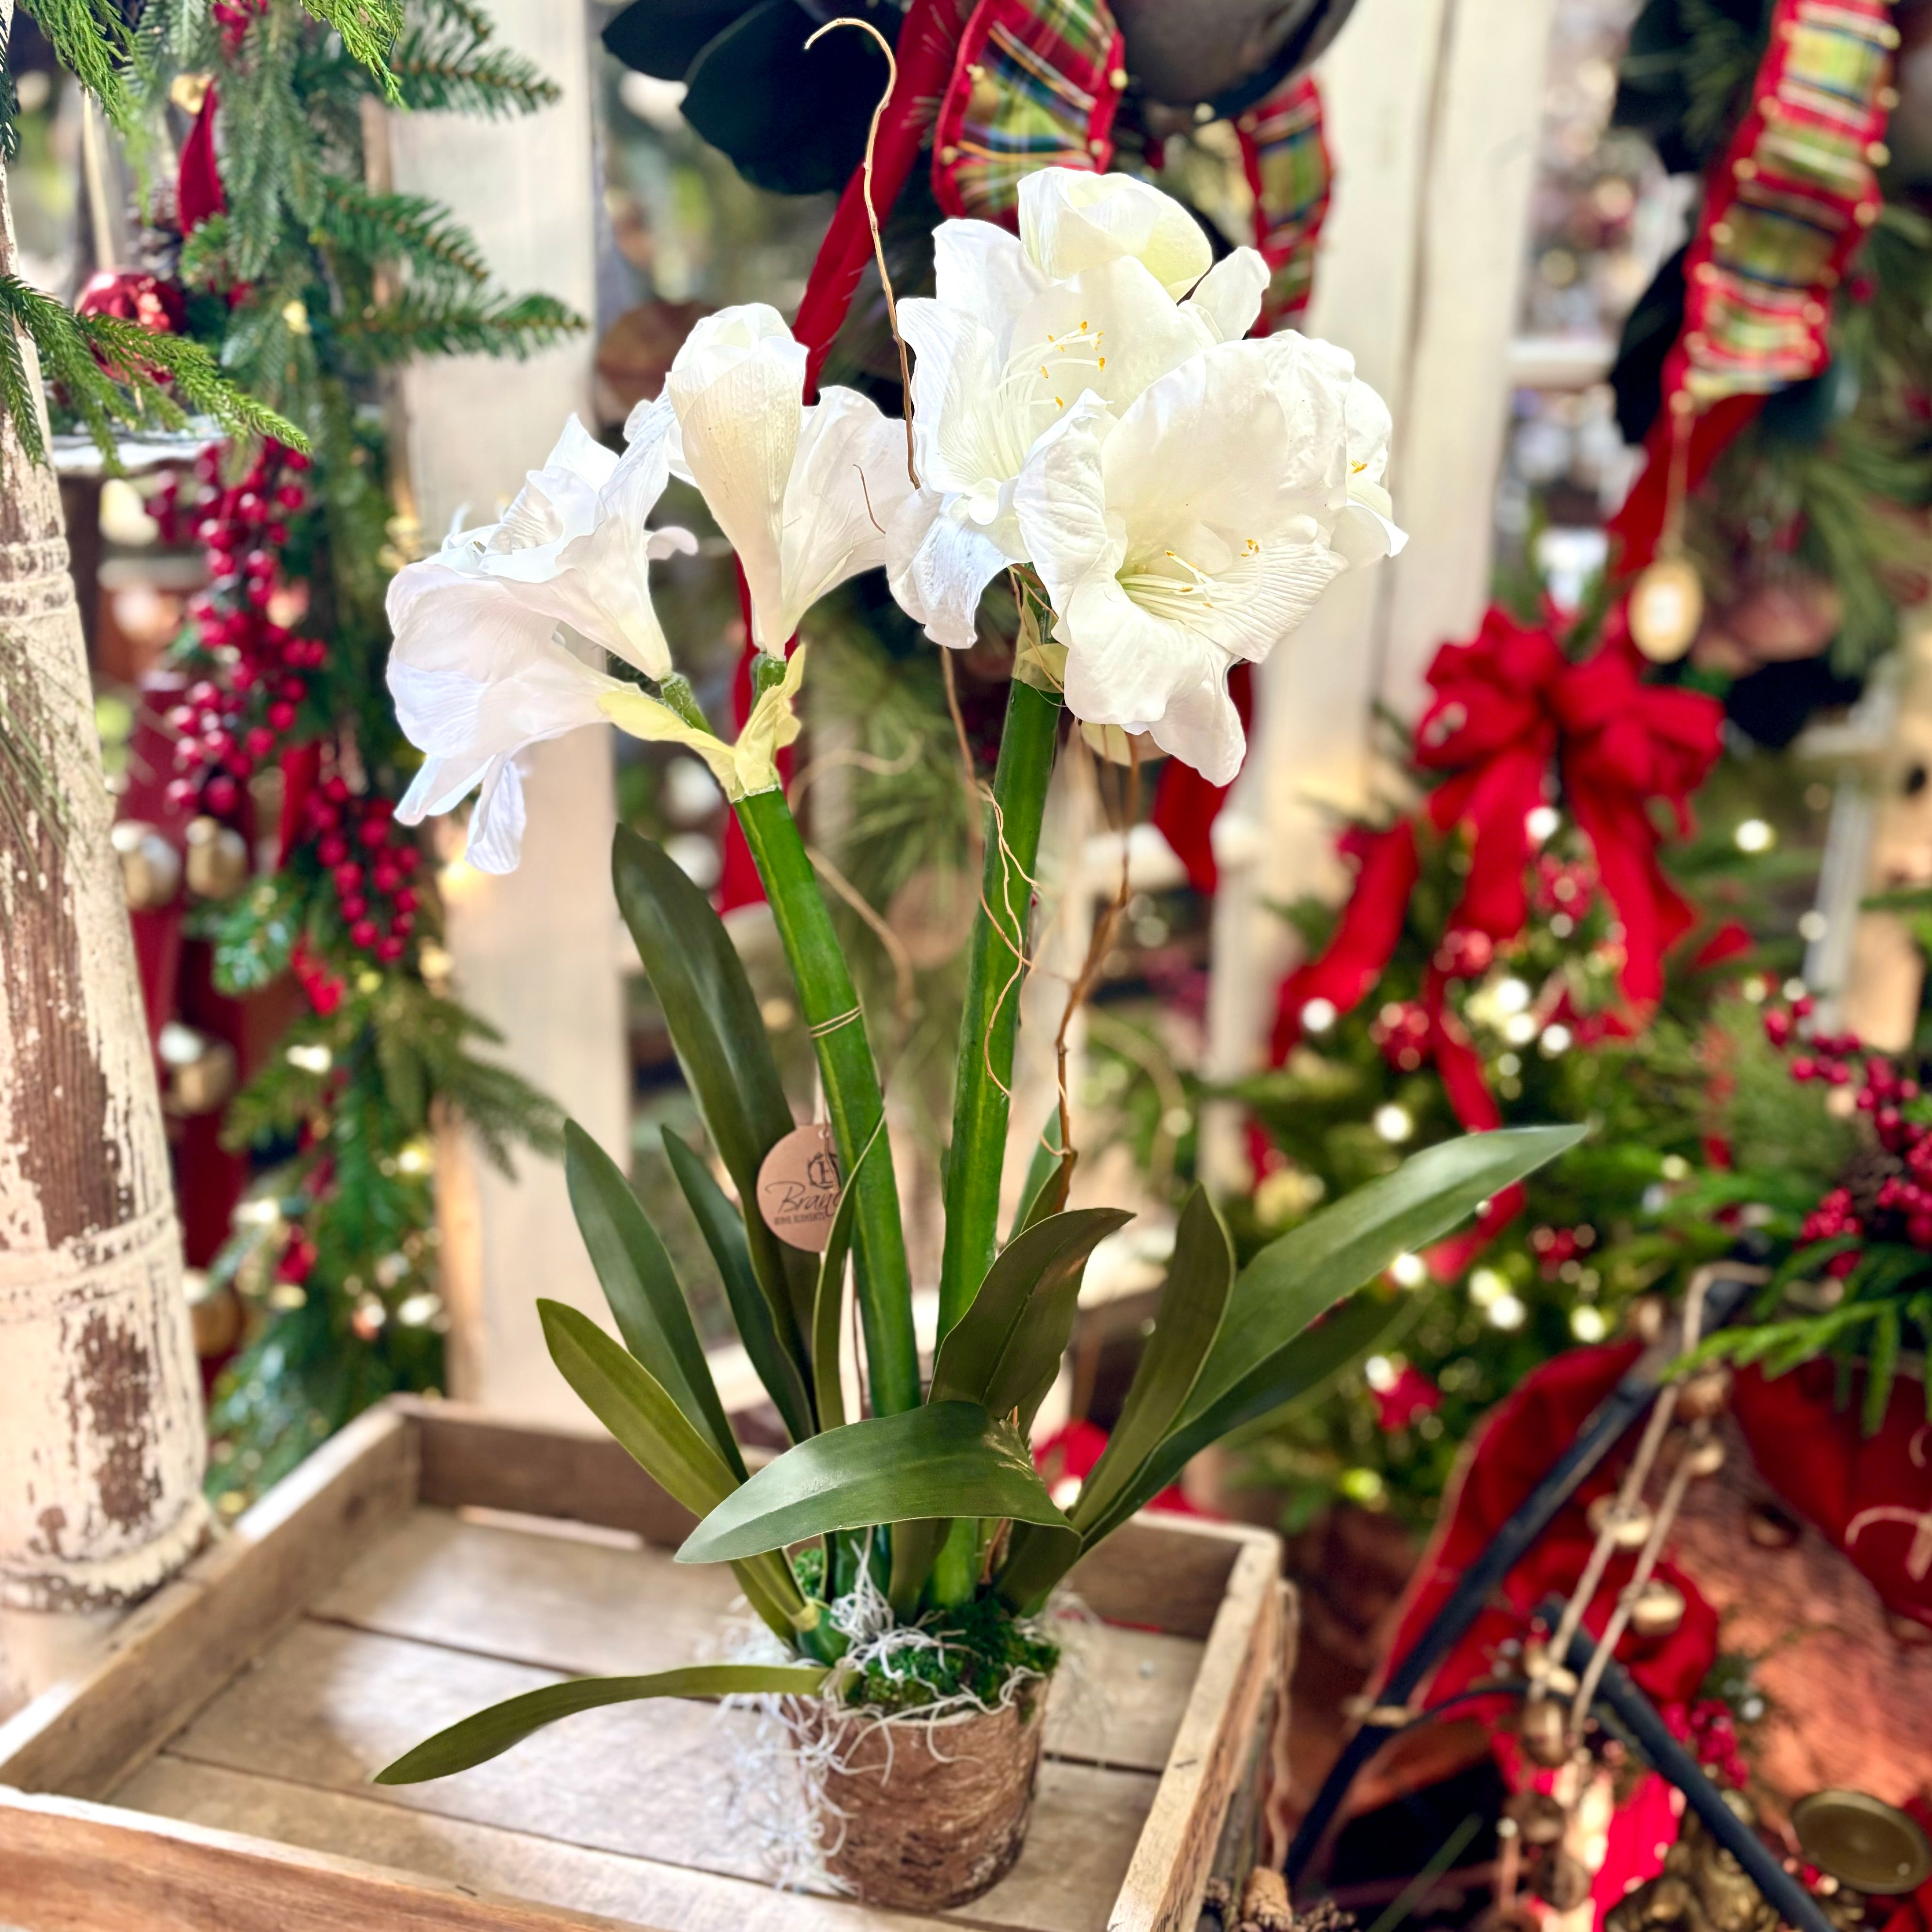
pixel 829 1301
pixel 948 1459
pixel 641 1286
pixel 774 1349
pixel 1192 1301
pixel 490 1732
pixel 1005 1350
pixel 624 1396
pixel 715 1024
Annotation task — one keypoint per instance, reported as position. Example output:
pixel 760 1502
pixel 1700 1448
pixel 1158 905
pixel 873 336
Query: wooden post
pixel 101 1443
pixel 1432 109
pixel 536 952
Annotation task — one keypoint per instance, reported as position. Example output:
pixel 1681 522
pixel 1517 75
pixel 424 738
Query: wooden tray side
pixel 1163 1888
pixel 179 1648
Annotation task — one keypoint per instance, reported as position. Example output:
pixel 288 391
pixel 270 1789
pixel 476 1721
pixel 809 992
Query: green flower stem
pixel 982 1098
pixel 852 1093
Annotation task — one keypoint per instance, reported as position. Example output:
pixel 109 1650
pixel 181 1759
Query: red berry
pixel 204 694
pixel 403 922
pixel 335 789
pixel 1803 1067
pixel 180 794
pixel 409 858
pixel 379 807
pixel 406 899
pixel 221 794
pixel 387 878
pixel 332 849
pixel 260 742
pixel 348 876
pixel 323 816
pixel 389 949
pixel 355 906
pixel 277 533
pixel 240 763
pixel 282 715
pixel 372 832
pixel 292 690
pixel 363 934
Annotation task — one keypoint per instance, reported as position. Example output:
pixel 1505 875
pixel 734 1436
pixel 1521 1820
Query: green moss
pixel 983 1647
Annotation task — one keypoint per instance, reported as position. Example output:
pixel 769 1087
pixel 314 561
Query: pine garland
pixel 312 287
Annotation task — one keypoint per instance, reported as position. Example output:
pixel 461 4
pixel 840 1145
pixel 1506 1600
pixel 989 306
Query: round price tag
pixel 798 1187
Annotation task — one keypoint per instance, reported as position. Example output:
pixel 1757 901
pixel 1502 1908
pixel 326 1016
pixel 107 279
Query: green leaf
pixel 712 1016
pixel 1189 1319
pixel 641 1286
pixel 1881 1367
pixel 945 1459
pixel 488 1734
pixel 1049 1177
pixel 1004 1351
pixel 633 1405
pixel 829 1300
pixel 774 1354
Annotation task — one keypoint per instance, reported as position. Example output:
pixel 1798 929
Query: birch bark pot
pixel 918 1814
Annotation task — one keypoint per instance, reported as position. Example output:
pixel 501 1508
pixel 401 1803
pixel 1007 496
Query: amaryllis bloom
pixel 1086 301
pixel 1198 528
pixel 478 671
pixel 804 494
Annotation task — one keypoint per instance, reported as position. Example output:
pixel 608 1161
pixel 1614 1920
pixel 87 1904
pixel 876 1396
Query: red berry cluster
pixel 1401 1029
pixel 225 730
pixel 369 862
pixel 1711 1732
pixel 1554 1246
pixel 1902 1207
pixel 1562 886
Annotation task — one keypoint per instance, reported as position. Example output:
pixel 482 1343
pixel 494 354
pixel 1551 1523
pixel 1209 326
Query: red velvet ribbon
pixel 198 180
pixel 1508 706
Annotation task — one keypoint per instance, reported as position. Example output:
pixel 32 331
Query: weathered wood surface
pixel 178 1649
pixel 371 1619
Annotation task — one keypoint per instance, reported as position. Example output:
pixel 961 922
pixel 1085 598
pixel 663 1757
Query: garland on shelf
pixel 312 287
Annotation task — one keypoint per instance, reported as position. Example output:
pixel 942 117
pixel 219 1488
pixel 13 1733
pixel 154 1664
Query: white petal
pixel 1112 329
pixel 610 565
pixel 1202 728
pixel 1124 664
pixel 983 272
pixel 496 840
pixel 1070 220
pixel 938 567
pixel 737 386
pixel 1060 501
pixel 1228 298
pixel 849 478
pixel 969 439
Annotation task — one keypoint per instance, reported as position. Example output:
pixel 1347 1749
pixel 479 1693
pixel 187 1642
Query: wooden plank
pixel 179 1649
pixel 329 1704
pixel 66 1865
pixel 574 1606
pixel 1166 1573
pixel 1164 1885
pixel 538 1469
pixel 637 1891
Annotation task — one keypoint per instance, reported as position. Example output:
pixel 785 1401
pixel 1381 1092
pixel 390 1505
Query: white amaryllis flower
pixel 1086 299
pixel 477 671
pixel 803 494
pixel 1197 527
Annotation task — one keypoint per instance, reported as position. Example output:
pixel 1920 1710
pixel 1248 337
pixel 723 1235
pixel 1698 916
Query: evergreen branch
pixel 406 228
pixel 109 371
pixel 422 322
pixel 368 30
pixel 448 64
pixel 90 39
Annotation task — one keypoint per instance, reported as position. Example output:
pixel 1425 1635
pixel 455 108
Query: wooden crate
pixel 210 1774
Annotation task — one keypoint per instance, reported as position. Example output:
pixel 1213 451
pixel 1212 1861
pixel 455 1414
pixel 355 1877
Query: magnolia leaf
pixel 1018 1327
pixel 942 1459
pixel 773 1350
pixel 641 1286
pixel 489 1733
pixel 635 1406
pixel 713 1019
pixel 1185 1325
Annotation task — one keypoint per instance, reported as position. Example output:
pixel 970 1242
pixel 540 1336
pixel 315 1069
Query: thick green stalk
pixel 991 1022
pixel 852 1094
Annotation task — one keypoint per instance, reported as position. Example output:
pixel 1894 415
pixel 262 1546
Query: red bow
pixel 1508 708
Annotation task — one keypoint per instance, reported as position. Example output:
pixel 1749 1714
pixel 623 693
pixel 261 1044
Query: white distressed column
pixel 1431 108
pixel 534 952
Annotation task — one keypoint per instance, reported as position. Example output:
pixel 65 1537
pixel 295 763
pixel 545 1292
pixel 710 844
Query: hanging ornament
pixel 1543 1730
pixel 1667 605
pixel 1658 1610
pixel 217 859
pixel 200 1070
pixel 150 868
pixel 1631 1532
pixel 1863 1842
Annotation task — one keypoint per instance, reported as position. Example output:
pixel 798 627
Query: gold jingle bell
pixel 200 1070
pixel 1543 1732
pixel 1704 1458
pixel 1705 1396
pixel 1667 605
pixel 1863 1842
pixel 218 859
pixel 1537 1816
pixel 1658 1610
pixel 150 868
pixel 1631 1532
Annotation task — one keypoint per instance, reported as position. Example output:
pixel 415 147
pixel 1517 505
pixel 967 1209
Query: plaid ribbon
pixel 1035 85
pixel 1790 201
pixel 1286 161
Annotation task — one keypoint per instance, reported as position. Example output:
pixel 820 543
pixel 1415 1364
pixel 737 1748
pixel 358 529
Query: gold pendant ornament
pixel 1862 1842
pixel 1667 604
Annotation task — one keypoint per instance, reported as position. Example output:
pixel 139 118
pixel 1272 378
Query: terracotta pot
pixel 918 1814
